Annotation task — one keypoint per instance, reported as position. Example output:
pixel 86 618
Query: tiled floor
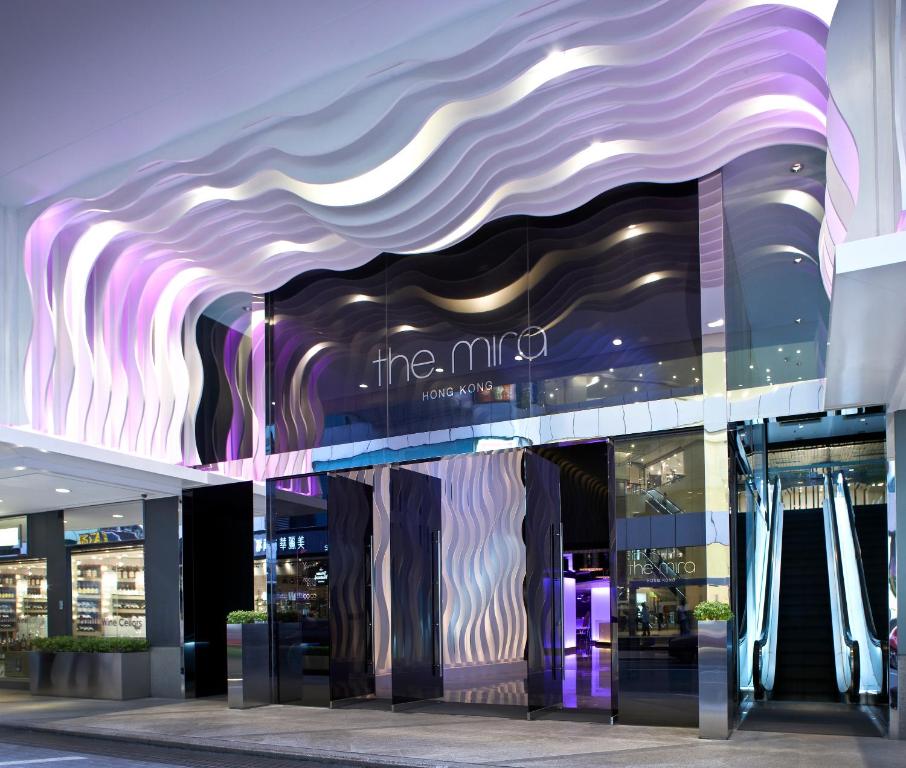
pixel 377 737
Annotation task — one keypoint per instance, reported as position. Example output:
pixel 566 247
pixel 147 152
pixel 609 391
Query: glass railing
pixel 764 652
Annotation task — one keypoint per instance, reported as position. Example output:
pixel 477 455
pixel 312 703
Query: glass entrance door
pixel 415 578
pixel 544 584
pixel 350 532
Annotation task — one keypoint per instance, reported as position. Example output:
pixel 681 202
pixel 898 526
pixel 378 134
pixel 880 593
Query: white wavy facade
pixel 536 115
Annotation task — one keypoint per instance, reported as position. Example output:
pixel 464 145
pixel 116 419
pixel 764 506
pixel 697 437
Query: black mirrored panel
pixel 544 584
pixel 297 533
pixel 350 529
pixel 415 587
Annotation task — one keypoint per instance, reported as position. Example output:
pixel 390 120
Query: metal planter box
pixel 248 666
pixel 715 679
pixel 116 676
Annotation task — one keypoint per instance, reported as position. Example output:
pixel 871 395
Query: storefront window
pixel 108 592
pixel 23 612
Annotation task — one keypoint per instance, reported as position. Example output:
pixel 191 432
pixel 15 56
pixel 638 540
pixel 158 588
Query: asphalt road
pixel 29 748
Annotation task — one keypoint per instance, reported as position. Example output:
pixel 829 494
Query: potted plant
pixel 90 667
pixel 248 660
pixel 715 679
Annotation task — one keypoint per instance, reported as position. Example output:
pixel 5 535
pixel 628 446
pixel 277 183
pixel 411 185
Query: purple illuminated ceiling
pixel 536 115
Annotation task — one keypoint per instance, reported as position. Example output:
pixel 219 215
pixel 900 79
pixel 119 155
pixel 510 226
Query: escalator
pixel 826 644
pixel 805 668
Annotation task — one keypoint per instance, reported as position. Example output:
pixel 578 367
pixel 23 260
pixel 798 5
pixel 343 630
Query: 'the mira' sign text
pixel 466 355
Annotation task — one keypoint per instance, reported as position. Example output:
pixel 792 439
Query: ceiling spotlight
pixel 632 226
pixel 19 468
pixel 617 342
pixel 610 369
pixel 606 385
pixel 719 323
pixel 640 375
pixel 798 351
pixel 693 367
pixel 632 445
pixel 674 375
pixel 62 490
pixel 797 260
pixel 439 370
pixel 751 367
pixel 798 321
pixel 796 167
pixel 767 370
pixel 659 362
pixel 862 419
pixel 517 358
pixel 635 389
pixel 551 394
pixel 780 349
pixel 363 386
pixel 118 517
pixel 696 379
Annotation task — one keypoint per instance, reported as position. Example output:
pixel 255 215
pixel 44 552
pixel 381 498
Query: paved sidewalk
pixel 425 740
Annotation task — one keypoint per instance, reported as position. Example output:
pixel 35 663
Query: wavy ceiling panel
pixel 537 116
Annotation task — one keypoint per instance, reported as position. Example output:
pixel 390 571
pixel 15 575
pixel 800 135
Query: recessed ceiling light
pixel 363 386
pixel 798 351
pixel 767 370
pixel 632 226
pixel 796 167
pixel 62 490
pixel 696 379
pixel 674 375
pixel 797 260
pixel 660 362
pixel 862 419
pixel 693 367
pixel 640 375
pixel 719 323
pixel 798 320
pixel 780 349
pixel 118 517
pixel 19 468
pixel 610 369
pixel 551 394
pixel 751 367
pixel 517 358
pixel 439 370
pixel 617 342
pixel 635 389
pixel 632 445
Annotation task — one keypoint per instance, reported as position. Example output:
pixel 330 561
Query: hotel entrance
pixel 464 584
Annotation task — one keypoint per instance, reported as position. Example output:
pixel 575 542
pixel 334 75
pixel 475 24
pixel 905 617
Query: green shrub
pixel 89 644
pixel 246 617
pixel 713 610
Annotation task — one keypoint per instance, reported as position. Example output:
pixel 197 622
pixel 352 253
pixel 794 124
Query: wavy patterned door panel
pixel 415 517
pixel 350 528
pixel 544 583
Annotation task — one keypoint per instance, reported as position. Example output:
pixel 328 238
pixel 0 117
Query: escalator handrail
pixel 866 604
pixel 763 638
pixel 851 643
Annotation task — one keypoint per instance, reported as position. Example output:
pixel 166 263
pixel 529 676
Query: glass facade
pixel 596 307
pixel 108 592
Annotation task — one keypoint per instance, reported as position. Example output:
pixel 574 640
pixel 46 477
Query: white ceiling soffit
pixel 91 85
pixel 868 318
pixel 33 466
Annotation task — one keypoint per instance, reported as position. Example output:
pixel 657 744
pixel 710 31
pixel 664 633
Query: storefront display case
pixel 23 612
pixel 108 592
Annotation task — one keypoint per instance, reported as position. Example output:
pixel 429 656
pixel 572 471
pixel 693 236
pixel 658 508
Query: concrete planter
pixel 116 676
pixel 248 666
pixel 16 665
pixel 715 679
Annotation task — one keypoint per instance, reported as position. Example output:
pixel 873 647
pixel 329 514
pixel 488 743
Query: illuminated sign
pixel 10 537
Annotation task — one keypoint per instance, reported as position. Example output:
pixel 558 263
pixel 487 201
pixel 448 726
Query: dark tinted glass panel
pixel 776 301
pixel 415 552
pixel 544 583
pixel 615 286
pixel 351 632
